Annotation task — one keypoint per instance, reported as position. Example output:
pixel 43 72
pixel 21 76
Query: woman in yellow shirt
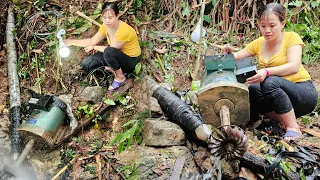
pixel 120 56
pixel 282 89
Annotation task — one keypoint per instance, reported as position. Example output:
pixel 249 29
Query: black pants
pixel 112 57
pixel 280 95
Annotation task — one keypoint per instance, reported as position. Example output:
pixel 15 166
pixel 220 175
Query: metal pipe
pixel 14 89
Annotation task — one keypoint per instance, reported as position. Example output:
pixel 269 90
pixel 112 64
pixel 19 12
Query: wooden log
pixel 311 131
pixel 67 132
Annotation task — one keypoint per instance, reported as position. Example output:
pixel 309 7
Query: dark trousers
pixel 111 57
pixel 280 95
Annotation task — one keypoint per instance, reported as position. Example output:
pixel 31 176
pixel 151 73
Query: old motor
pixel 48 115
pixel 224 103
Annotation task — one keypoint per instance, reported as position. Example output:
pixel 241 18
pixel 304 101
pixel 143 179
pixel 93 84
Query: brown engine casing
pixel 232 94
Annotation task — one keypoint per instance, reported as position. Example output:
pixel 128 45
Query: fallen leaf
pixel 38 51
pixel 160 51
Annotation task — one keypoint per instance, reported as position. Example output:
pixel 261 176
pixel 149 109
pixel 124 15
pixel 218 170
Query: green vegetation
pixel 303 18
pixel 132 132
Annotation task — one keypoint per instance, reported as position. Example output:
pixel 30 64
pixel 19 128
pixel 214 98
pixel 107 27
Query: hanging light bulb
pixel 195 35
pixel 63 49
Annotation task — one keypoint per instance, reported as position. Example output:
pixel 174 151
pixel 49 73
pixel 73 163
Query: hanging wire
pixel 30 21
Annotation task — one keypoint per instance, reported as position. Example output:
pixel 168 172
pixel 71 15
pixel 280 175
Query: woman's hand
pixel 227 49
pixel 258 78
pixel 89 48
pixel 68 42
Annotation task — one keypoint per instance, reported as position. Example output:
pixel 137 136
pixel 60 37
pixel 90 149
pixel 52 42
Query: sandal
pixel 293 135
pixel 115 85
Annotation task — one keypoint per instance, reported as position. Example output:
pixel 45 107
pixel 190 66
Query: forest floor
pixel 95 156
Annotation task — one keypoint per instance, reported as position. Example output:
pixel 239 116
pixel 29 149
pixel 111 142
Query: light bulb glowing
pixel 63 49
pixel 64 52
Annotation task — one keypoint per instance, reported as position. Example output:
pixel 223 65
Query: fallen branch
pixel 87 18
pixel 64 169
pixel 129 5
pixel 98 161
pixel 113 167
pixel 311 131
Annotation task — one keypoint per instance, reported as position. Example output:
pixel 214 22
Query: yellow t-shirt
pixel 280 58
pixel 125 33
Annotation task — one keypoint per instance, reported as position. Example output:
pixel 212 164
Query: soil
pixel 47 163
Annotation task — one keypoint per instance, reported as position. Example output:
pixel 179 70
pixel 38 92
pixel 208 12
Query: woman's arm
pixel 85 42
pixel 294 55
pixel 117 44
pixel 244 53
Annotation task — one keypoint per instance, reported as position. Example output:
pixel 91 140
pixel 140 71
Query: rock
pixel 47 163
pixel 2 134
pixel 227 170
pixel 93 94
pixel 201 156
pixel 146 101
pixel 155 106
pixel 193 97
pixel 166 85
pixel 160 160
pixel 162 133
pixel 206 164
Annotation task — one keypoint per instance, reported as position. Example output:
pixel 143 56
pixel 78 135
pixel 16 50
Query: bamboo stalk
pixel 161 64
pixel 38 76
pixel 197 67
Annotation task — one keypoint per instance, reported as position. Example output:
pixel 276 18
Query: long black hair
pixel 274 8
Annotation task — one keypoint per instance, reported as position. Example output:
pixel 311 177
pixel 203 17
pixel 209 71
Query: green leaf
pixel 120 148
pixel 137 68
pixel 82 29
pixel 137 22
pixel 302 176
pixel 296 3
pixel 186 11
pixel 207 19
pixel 129 122
pixel 130 106
pixel 116 139
pixel 109 102
pixel 122 100
pixel 315 4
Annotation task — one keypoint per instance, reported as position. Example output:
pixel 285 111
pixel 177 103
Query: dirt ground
pixel 108 129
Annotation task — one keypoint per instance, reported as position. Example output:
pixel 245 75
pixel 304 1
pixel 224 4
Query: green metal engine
pixel 222 84
pixel 48 115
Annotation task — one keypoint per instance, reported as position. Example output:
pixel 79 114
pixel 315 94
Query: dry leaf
pixel 160 51
pixel 37 51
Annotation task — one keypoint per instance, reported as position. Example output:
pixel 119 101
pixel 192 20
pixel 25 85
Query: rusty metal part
pixel 229 142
